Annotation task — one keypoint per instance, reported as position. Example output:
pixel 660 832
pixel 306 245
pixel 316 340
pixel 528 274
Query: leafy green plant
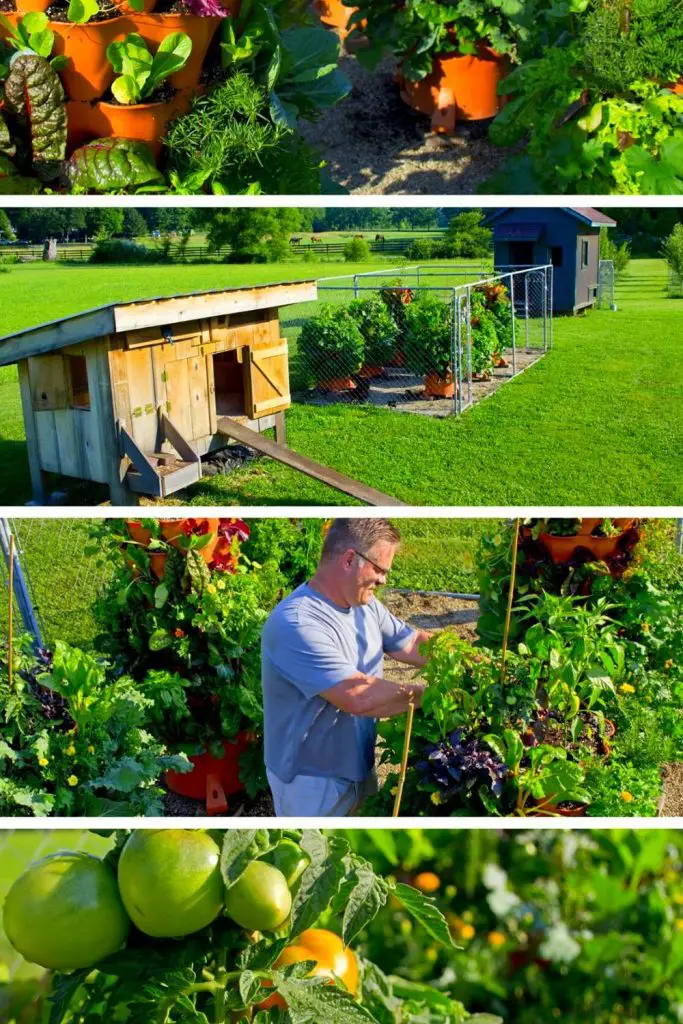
pixel 378 329
pixel 75 740
pixel 428 335
pixel 356 250
pixel 228 143
pixel 113 165
pixel 331 344
pixel 34 97
pixel 623 42
pixel 140 73
pixel 31 33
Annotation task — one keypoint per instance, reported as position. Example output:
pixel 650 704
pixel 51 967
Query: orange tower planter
pixel 458 88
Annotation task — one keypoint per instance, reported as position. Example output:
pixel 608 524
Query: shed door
pixel 267 379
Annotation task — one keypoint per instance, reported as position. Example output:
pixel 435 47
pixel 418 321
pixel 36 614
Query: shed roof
pixel 586 214
pixel 164 310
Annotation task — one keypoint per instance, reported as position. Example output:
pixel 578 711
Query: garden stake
pixel 511 597
pixel 10 614
pixel 404 759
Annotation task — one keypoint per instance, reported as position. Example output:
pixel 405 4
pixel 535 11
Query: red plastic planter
pixel 212 779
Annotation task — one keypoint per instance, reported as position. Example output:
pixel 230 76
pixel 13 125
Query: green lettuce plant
pixel 141 73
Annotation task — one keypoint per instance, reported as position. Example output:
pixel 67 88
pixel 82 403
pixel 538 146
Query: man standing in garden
pixel 323 653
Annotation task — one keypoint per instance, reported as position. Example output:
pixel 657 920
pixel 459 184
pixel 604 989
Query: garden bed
pixel 399 389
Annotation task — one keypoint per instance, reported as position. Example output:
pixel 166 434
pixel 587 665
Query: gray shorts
pixel 312 796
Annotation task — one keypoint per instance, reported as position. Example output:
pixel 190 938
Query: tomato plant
pixel 303 968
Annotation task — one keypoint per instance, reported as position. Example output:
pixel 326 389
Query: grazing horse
pixel 380 238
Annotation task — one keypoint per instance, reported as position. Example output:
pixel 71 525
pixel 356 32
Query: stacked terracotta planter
pixel 89 74
pixel 563 549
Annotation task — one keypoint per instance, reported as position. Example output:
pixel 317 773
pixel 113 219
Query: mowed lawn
pixel 598 421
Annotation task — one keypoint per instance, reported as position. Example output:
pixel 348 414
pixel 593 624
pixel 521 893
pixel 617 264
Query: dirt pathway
pixel 671 805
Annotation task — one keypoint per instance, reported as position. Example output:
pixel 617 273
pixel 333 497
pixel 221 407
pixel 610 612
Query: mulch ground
pixel 671 805
pixel 375 144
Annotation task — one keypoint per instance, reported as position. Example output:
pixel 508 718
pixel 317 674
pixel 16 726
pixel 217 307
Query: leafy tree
pixel 6 229
pixel 467 237
pixel 134 224
pixel 254 236
pixel 104 222
pixel 672 251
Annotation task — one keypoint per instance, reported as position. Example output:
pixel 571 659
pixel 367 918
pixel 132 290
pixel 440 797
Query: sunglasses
pixel 380 570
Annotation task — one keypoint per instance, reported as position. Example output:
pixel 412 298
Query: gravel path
pixel 671 805
pixel 375 144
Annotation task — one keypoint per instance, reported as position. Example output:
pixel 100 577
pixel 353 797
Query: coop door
pixel 267 378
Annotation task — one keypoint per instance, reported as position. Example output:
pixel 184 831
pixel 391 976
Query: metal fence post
pixel 457 369
pixel 356 290
pixel 512 316
pixel 551 273
pixel 469 345
pixel 21 592
pixel 526 310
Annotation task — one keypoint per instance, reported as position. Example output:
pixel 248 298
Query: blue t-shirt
pixel 310 644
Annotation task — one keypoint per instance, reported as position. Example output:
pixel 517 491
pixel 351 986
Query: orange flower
pixel 179 633
pixel 626 796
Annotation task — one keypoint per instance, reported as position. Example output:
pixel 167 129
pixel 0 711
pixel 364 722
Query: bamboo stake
pixel 404 759
pixel 10 617
pixel 511 598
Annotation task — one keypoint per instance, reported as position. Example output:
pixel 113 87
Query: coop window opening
pixel 557 255
pixel 78 381
pixel 585 254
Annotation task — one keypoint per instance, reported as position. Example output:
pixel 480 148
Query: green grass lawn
pixel 598 421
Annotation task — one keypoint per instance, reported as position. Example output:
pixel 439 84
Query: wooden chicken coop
pixel 134 393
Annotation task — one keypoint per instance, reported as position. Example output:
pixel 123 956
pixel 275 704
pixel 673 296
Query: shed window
pixel 78 376
pixel 584 254
pixel 557 255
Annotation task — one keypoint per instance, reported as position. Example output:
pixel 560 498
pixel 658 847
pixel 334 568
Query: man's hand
pixel 410 654
pixel 373 697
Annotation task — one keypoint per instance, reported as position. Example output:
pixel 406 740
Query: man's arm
pixel 410 654
pixel 373 697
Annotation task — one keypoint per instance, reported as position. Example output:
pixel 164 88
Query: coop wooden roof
pixel 586 214
pixel 131 316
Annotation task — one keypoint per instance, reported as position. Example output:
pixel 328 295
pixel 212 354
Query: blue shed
pixel 567 237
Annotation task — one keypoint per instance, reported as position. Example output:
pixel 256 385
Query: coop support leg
pixel 38 477
pixel 281 429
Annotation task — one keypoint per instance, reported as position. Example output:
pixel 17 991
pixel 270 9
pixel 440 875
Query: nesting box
pixel 132 394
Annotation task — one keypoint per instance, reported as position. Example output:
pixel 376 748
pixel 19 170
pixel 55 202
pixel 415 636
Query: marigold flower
pixel 626 796
pixel 210 588
pixel 435 798
pixel 427 881
pixel 73 780
pixel 467 932
pixel 679 924
pixel 179 633
pixel 668 663
pixel 43 761
pixel 645 626
pixel 91 750
pixel 496 939
pixel 627 688
pixel 71 750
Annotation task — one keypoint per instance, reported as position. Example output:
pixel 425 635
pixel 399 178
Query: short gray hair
pixel 359 534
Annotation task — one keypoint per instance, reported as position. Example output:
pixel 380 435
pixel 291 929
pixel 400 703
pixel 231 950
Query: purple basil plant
pixel 459 766
pixel 207 8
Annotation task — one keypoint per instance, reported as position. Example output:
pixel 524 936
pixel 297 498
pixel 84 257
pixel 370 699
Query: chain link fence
pixel 675 282
pixel 53 578
pixel 426 339
pixel 605 299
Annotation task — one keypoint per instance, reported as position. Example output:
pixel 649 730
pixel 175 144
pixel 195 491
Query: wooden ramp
pixel 238 432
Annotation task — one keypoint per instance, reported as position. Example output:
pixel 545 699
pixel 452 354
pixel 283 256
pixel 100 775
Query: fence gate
pixel 606 285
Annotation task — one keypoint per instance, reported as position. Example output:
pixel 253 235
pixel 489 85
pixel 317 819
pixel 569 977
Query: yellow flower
pixel 626 796
pixel 627 688
pixel 91 750
pixel 435 798
pixel 71 750
pixel 210 589
pixel 220 584
pixel 467 932
pixel 43 761
pixel 73 780
pixel 668 663
pixel 645 626
pixel 678 898
pixel 496 939
pixel 679 924
pixel 430 954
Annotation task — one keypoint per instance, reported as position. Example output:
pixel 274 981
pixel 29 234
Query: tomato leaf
pixel 240 846
pixel 308 1000
pixel 366 898
pixel 425 912
pixel 320 881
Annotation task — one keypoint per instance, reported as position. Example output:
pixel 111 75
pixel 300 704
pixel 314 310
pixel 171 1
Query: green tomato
pixel 260 899
pixel 290 859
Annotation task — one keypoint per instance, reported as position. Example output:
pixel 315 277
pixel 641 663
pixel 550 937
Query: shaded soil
pixel 425 612
pixel 375 144
pixel 239 806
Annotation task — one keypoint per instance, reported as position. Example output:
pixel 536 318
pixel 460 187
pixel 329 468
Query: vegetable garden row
pixel 192 96
pixel 573 707
pixel 385 926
